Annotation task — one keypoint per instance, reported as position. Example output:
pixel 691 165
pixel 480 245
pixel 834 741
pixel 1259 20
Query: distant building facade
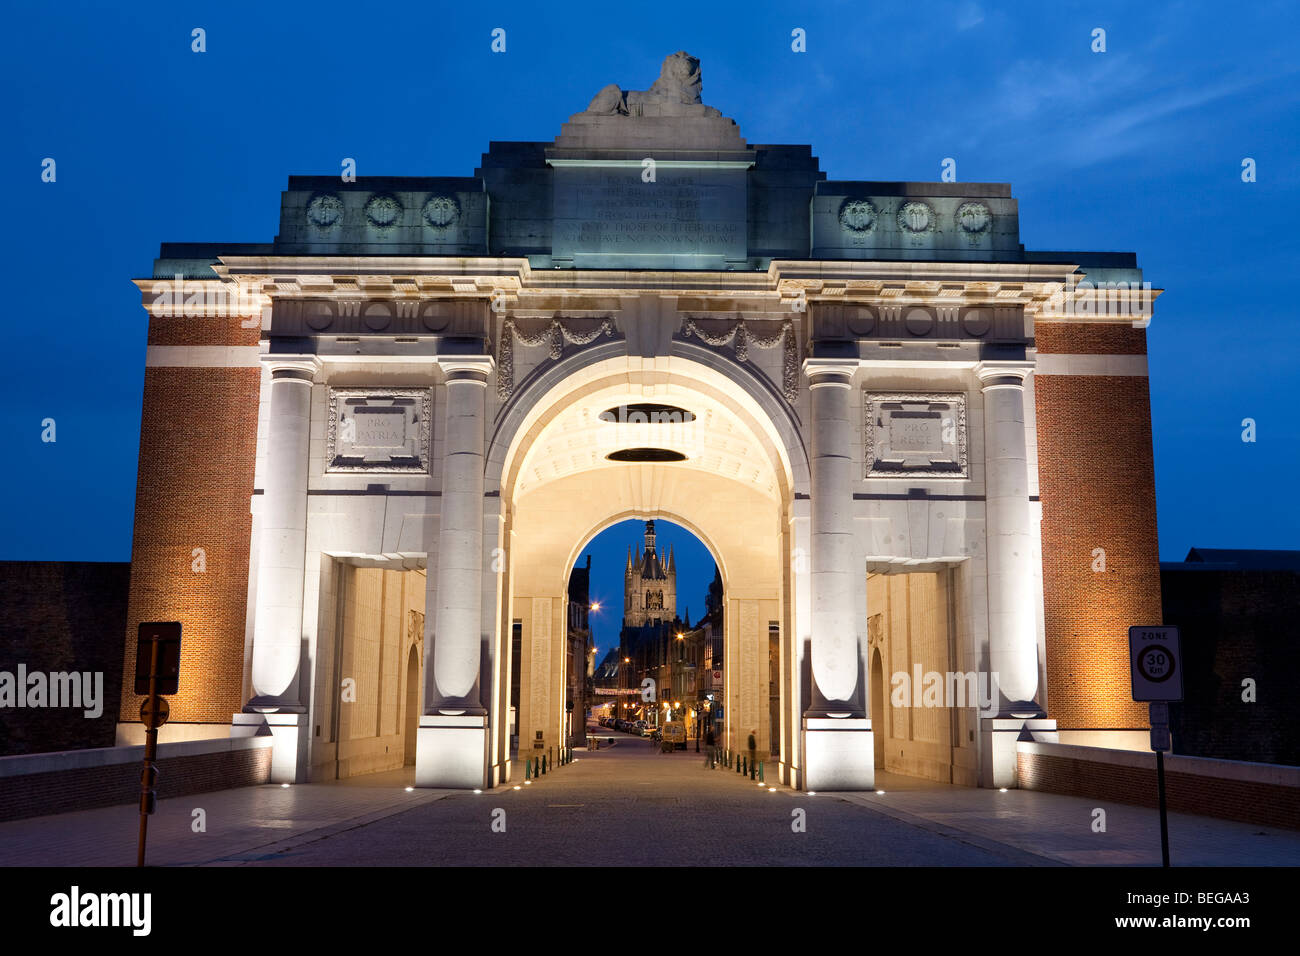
pixel 579 670
pixel 1238 616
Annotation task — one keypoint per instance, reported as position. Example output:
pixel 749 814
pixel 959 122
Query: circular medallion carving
pixel 916 217
pixel 974 218
pixel 976 322
pixel 325 210
pixel 857 215
pixel 861 321
pixel 377 317
pixel 435 317
pixel 383 211
pixel 318 315
pixel 919 321
pixel 441 212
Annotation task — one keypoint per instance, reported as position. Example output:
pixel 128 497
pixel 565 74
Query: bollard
pixel 760 772
pixel 737 766
pixel 528 769
pixel 544 766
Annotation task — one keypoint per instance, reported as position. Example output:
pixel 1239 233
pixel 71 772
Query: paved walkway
pixel 630 806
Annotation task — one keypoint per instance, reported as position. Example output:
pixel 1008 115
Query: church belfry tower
pixel 649 584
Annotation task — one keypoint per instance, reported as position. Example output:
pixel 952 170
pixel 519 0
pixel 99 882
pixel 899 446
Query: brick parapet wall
pixel 1263 795
pixel 1092 338
pixel 1097 485
pixel 117 781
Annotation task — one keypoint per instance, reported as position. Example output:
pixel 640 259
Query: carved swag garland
pixel 745 337
pixel 557 332
pixel 555 335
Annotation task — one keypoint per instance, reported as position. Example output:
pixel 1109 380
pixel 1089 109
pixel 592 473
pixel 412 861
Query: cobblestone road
pixel 631 806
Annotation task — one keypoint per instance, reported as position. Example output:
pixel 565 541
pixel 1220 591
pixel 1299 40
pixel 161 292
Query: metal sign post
pixel 159 644
pixel 1157 677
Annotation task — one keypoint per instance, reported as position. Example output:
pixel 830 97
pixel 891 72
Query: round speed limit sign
pixel 1155 664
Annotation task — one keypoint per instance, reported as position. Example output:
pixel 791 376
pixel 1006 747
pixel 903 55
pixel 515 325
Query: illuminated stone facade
pixel 416 375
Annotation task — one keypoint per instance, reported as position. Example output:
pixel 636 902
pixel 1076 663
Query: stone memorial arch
pixel 394 428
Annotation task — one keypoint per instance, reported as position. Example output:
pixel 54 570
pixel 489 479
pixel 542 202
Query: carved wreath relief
pixel 916 218
pixel 383 211
pixel 857 215
pixel 378 429
pixel 919 435
pixel 974 218
pixel 325 211
pixel 441 212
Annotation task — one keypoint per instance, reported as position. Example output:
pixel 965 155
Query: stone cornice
pixel 1047 290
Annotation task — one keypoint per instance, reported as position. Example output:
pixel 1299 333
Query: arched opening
pixel 924 697
pixel 878 706
pixel 728 481
pixel 657 633
pixel 412 721
pixel 371 628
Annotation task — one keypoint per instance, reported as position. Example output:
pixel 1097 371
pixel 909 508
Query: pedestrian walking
pixel 753 750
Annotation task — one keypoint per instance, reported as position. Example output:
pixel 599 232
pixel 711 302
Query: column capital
pixel 830 371
pixel 466 368
pixel 306 367
pixel 993 374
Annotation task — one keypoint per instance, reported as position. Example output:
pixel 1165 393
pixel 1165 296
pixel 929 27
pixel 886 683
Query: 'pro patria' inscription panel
pixel 916 436
pixel 378 429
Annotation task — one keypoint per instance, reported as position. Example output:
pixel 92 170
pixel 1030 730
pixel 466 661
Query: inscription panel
pixel 915 435
pixel 378 429
pixel 602 212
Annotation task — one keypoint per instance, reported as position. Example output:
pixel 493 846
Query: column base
pixel 998 736
pixel 288 763
pixel 451 752
pixel 838 754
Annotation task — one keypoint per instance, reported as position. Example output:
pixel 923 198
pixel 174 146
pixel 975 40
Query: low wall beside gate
pixel 33 785
pixel 1259 793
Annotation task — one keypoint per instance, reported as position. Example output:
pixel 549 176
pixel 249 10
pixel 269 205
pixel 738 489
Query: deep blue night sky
pixel 1138 148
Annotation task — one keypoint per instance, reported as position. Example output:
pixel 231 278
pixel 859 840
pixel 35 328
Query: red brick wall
pixel 1097 484
pixel 198 445
pixel 84 788
pixel 1266 804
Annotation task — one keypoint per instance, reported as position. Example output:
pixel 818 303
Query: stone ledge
pixel 25 764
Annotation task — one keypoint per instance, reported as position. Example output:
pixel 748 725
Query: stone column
pixel 452 745
pixel 837 734
pixel 282 543
pixel 1008 531
pixel 1013 645
pixel 834 636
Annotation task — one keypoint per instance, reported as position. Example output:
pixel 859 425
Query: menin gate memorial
pixel 907 436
